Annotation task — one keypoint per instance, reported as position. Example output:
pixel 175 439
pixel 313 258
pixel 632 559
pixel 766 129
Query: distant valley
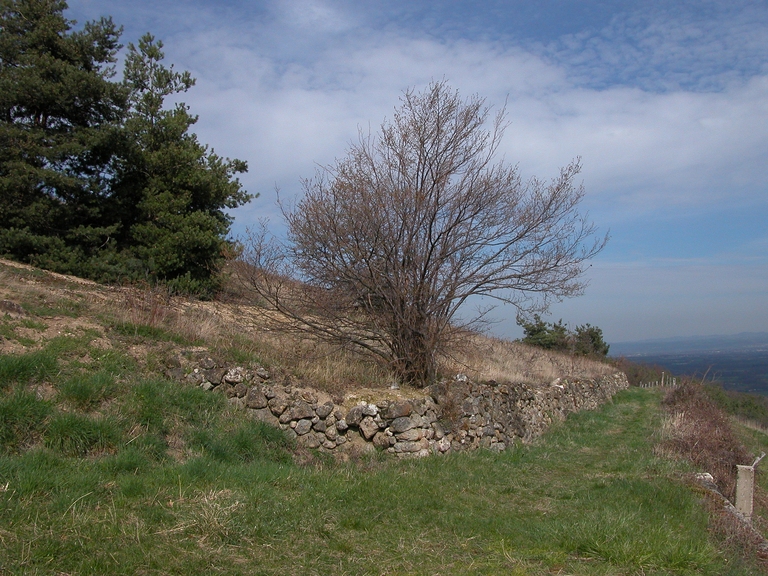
pixel 738 362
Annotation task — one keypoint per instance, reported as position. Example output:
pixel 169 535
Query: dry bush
pixel 697 430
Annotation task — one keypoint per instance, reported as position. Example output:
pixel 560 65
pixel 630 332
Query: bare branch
pixel 393 239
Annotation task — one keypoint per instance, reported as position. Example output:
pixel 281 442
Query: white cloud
pixel 669 112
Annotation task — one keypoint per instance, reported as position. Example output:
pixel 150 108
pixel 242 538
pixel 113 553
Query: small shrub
pixel 22 415
pixel 77 435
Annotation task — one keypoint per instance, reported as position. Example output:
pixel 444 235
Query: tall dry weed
pixel 697 430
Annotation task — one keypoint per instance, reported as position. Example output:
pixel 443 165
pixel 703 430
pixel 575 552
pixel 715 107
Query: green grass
pixel 87 391
pixel 589 498
pixel 22 417
pixel 78 434
pixel 25 368
pixel 139 332
pixel 63 307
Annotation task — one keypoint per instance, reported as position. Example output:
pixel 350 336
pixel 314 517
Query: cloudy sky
pixel 666 103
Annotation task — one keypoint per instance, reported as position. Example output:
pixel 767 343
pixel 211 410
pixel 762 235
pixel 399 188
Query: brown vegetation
pixel 217 325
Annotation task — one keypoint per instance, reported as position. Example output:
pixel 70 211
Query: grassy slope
pixel 107 468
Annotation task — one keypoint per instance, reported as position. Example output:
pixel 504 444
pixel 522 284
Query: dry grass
pixel 218 325
pixel 697 430
pixel 485 358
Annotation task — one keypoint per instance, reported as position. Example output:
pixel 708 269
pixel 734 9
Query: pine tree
pixel 170 190
pixel 58 114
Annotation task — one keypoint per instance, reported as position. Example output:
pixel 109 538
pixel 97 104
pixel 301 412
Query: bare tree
pixel 391 241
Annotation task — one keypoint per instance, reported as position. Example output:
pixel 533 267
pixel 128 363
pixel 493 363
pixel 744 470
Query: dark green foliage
pixel 77 435
pixel 170 190
pixel 96 177
pixel 545 335
pixel 58 112
pixel 22 416
pixel 586 340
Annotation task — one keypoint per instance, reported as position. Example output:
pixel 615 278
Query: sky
pixel 665 102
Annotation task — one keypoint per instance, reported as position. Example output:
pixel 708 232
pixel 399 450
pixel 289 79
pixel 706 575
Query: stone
pixel 324 410
pixel 255 398
pixel 398 410
pixel 228 390
pixel 430 416
pixel 303 426
pixel 444 444
pixel 407 447
pixel 234 375
pixel 207 363
pixel 285 417
pixel 381 440
pixel 262 373
pixel 368 427
pixel 309 440
pixel 214 375
pixel 319 426
pixel 355 415
pixel 264 415
pixel 207 386
pixel 302 410
pixel 341 425
pixel 278 404
pixel 410 435
pixel 331 433
pixel 240 390
pixel 370 410
pixel 401 424
pixel 329 445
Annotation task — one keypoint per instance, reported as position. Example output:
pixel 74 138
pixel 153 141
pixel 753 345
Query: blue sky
pixel 665 102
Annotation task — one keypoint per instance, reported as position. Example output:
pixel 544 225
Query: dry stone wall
pixel 451 416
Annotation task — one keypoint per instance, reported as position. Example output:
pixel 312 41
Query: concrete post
pixel 745 488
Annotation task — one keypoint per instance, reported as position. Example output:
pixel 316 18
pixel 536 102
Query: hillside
pixel 110 464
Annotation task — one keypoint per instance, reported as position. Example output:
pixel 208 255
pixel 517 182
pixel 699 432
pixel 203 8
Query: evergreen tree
pixel 58 112
pixel 97 178
pixel 586 340
pixel 169 189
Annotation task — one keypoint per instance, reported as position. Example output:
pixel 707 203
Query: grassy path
pixel 589 498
